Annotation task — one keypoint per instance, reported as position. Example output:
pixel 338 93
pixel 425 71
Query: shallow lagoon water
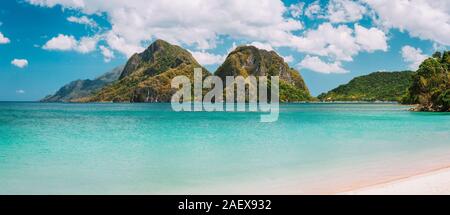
pixel 149 149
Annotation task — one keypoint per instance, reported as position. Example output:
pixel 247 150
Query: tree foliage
pixel 430 88
pixel 377 86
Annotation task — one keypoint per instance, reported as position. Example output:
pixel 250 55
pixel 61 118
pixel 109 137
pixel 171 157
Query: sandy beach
pixel 435 182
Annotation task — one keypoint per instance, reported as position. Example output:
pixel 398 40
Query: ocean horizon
pixel 135 148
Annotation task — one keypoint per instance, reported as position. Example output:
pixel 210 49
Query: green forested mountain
pixel 81 88
pixel 147 76
pixel 249 60
pixel 377 86
pixel 430 88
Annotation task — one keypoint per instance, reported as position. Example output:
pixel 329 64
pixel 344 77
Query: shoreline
pixel 432 182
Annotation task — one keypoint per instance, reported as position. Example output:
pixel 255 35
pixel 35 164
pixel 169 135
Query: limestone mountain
pixel 82 88
pixel 249 60
pixel 377 86
pixel 147 76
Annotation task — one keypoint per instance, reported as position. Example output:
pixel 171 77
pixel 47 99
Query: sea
pixel 313 148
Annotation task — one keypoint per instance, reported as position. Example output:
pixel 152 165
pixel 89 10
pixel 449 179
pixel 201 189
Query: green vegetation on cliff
pixel 377 86
pixel 430 88
pixel 249 60
pixel 147 76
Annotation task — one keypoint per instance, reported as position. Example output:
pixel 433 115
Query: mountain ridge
pixel 249 60
pixel 376 86
pixel 147 75
pixel 81 88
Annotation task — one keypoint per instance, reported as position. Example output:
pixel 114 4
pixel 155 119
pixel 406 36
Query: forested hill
pixel 377 86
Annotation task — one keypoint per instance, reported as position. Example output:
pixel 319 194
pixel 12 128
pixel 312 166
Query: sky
pixel 45 44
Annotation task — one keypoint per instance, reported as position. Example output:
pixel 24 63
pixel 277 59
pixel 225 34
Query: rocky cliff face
pixel 249 60
pixel 147 76
pixel 81 88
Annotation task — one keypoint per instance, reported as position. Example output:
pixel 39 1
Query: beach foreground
pixel 432 183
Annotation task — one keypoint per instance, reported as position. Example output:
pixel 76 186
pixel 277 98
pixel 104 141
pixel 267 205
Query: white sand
pixel 432 183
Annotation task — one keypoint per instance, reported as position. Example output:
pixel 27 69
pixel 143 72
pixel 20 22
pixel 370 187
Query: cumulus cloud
pixel 108 55
pixel 198 23
pixel 413 56
pixel 201 23
pixel 61 42
pixel 260 45
pixel 370 39
pixel 120 44
pixel 65 3
pixel 340 43
pixel 69 43
pixel 327 40
pixel 313 10
pixel 288 59
pixel 345 11
pixel 317 65
pixel 3 39
pixel 86 45
pixel 426 19
pixel 206 58
pixel 84 20
pixel 20 91
pixel 296 10
pixel 21 63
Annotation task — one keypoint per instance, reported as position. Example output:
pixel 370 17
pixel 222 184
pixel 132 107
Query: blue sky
pixel 45 44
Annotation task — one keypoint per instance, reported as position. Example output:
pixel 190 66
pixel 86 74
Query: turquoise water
pixel 149 149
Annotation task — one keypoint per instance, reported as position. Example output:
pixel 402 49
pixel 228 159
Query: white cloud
pixel 61 42
pixel 317 65
pixel 86 45
pixel 21 63
pixel 288 59
pixel 206 58
pixel 108 55
pixel 264 46
pixel 232 48
pixel 339 43
pixel 413 56
pixel 84 20
pixel 3 39
pixel 296 10
pixel 345 11
pixel 201 23
pixel 69 43
pixel 327 40
pixel 120 44
pixel 440 47
pixel 313 10
pixel 426 19
pixel 198 23
pixel 66 3
pixel 20 91
pixel 370 39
